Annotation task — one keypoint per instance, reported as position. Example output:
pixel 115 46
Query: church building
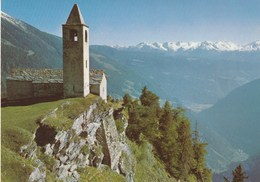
pixel 75 80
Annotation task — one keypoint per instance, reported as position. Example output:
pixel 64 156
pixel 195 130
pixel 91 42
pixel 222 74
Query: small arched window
pixel 74 35
pixel 86 35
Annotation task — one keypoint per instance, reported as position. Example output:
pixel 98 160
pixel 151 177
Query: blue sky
pixel 128 22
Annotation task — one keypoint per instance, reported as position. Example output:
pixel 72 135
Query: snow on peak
pixel 219 46
pixel 190 46
pixel 148 46
pixel 253 46
pixel 15 22
pixel 172 46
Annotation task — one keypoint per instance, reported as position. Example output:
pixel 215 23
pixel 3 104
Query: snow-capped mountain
pixel 191 46
pixel 18 23
pixel 23 45
pixel 254 46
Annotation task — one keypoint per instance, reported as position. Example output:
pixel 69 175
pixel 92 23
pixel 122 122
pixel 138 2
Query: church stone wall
pixel 17 89
pixel 94 89
pixel 48 89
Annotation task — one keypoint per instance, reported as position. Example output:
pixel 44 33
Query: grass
pixel 18 123
pixel 119 126
pixel 92 174
pixel 14 167
pixel 68 111
pixel 148 168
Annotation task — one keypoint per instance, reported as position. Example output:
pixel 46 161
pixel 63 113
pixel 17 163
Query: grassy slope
pixel 93 174
pixel 17 127
pixel 20 122
pixel 148 167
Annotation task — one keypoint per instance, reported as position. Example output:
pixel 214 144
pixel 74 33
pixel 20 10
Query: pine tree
pixel 142 119
pixel 167 144
pixel 238 174
pixel 127 100
pixel 185 157
pixel 169 131
pixel 148 98
pixel 167 117
pixel 134 130
pixel 199 169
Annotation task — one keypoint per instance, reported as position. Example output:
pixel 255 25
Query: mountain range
pixel 192 46
pixel 233 122
pixel 236 117
pixel 196 78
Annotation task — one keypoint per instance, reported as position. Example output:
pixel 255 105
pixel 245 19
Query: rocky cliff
pixel 95 137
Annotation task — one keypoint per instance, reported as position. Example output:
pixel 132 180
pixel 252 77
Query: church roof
pixel 36 75
pixel 49 75
pixel 75 16
pixel 96 76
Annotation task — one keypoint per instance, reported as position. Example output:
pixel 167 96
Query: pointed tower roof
pixel 75 16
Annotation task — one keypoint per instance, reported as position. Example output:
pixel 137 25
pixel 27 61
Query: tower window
pixel 86 35
pixel 74 35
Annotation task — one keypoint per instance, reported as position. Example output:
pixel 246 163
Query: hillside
pixel 73 139
pixel 236 117
pixel 121 79
pixel 22 45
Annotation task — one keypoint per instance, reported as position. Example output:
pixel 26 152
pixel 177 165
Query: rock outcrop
pixel 92 140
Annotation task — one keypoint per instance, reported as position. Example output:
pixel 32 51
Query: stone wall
pixel 94 89
pixel 47 89
pixel 17 89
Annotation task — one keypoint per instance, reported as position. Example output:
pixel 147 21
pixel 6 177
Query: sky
pixel 129 22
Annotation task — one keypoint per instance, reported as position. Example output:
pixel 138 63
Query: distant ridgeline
pixel 75 80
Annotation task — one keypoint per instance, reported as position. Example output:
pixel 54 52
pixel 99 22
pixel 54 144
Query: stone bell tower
pixel 75 55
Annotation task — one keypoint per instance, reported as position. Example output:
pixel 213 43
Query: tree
pixel 168 129
pixel 109 98
pixel 142 119
pixel 199 148
pixel 166 118
pixel 238 174
pixel 185 159
pixel 127 100
pixel 148 98
pixel 134 130
pixel 166 144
